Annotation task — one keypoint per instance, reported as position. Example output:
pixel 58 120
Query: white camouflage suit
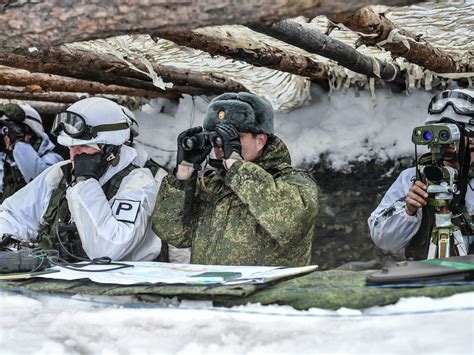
pixel 104 229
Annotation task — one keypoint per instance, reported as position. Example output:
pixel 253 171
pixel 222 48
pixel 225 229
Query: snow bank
pixel 57 325
pixel 341 128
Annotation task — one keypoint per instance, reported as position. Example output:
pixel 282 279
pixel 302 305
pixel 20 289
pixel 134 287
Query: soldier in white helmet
pixel 27 148
pixel 402 219
pixel 98 203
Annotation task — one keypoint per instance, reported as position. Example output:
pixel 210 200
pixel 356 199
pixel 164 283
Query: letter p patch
pixel 125 210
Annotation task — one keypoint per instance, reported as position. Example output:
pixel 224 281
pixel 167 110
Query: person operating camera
pixel 402 219
pixel 255 209
pixel 27 150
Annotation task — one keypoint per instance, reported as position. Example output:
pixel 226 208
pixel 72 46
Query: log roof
pixel 447 25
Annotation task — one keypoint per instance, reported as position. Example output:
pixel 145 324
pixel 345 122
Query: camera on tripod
pixel 438 177
pixel 201 140
pixel 441 180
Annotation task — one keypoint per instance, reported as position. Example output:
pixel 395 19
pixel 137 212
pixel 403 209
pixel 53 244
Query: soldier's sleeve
pixel 30 163
pixel 172 220
pixel 21 213
pixel 391 228
pixel 285 207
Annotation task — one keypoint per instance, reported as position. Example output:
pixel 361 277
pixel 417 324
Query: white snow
pixel 59 325
pixel 343 128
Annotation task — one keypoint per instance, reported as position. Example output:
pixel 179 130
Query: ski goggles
pixel 462 103
pixel 75 126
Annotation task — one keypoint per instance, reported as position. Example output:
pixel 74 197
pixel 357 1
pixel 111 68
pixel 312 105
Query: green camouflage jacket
pixel 260 213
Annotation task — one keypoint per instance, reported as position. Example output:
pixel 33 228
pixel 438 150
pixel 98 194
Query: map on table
pixel 169 273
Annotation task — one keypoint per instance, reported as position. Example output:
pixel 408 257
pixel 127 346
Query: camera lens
pixel 433 173
pixel 427 135
pixel 443 135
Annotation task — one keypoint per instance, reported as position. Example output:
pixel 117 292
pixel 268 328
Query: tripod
pixel 445 236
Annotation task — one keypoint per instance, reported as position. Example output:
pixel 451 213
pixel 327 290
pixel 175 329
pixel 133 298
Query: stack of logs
pixel 52 72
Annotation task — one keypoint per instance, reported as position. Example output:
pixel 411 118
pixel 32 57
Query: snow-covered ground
pixel 38 324
pixel 342 127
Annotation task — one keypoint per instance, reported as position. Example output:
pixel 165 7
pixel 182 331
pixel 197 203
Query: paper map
pixel 168 273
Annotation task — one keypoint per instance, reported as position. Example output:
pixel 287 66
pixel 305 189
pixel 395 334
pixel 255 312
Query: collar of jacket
pixel 275 156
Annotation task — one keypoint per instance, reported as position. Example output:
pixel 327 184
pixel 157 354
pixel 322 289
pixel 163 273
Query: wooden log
pixel 16 93
pixel 108 69
pixel 316 42
pixel 37 82
pixel 247 50
pixel 28 23
pixel 62 97
pixel 366 20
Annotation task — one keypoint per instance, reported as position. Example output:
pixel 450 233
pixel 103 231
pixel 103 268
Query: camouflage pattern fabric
pixel 331 289
pixel 12 177
pixel 260 213
pixel 12 180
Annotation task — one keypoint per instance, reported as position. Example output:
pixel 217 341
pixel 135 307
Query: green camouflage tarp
pixel 323 289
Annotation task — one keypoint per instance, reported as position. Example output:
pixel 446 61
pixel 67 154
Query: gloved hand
pixel 231 140
pixel 14 132
pixel 88 166
pixel 192 157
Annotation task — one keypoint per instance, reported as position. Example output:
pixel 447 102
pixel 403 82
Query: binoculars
pixel 201 140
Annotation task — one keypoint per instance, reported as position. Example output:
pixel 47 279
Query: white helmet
pixel 33 119
pixel 94 120
pixel 456 105
pixel 134 129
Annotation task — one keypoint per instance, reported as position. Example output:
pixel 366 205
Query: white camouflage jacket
pixel 391 228
pixel 104 228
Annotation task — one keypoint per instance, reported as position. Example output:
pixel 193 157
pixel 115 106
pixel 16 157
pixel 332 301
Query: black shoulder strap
pixel 111 187
pixel 154 166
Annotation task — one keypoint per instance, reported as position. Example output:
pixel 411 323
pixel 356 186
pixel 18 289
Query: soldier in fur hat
pixel 255 208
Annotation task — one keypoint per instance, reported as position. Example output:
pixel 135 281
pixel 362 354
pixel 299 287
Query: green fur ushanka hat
pixel 247 112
